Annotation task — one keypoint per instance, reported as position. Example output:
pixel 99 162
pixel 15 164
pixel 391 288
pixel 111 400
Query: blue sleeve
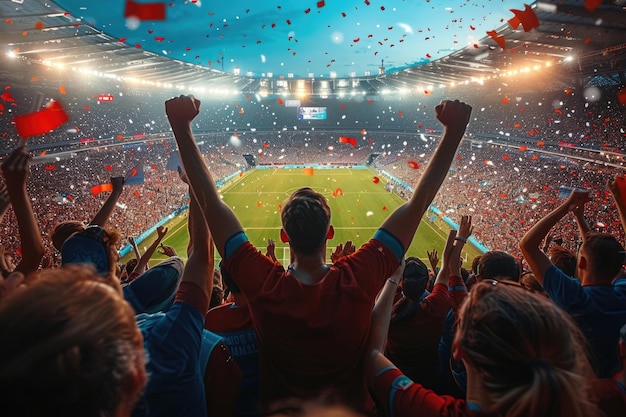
pixel 564 290
pixel 392 242
pixel 233 243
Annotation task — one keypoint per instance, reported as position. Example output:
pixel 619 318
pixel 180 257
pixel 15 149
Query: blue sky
pixel 280 37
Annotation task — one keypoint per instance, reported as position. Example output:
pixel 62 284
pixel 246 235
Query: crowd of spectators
pixel 278 341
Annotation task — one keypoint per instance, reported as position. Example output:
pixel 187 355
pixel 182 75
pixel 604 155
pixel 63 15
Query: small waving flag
pixel 102 188
pixel 144 11
pixel 526 17
pixel 173 162
pixel 42 121
pixel 345 139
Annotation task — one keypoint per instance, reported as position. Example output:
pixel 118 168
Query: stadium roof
pixel 571 46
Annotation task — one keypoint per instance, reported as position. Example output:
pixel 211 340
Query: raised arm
pixel 620 198
pixel 583 226
pixel 199 267
pixel 381 314
pixel 102 216
pixel 537 260
pixel 403 222
pixel 142 262
pixel 221 220
pixel 15 170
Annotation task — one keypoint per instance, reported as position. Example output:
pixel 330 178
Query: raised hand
pixel 433 259
pixel 453 114
pixel 182 110
pixel 271 250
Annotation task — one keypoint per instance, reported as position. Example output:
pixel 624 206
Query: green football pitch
pixel 358 204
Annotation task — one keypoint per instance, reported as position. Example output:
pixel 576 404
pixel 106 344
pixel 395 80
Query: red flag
pixel 102 188
pixel 42 121
pixel 145 11
pixel 345 139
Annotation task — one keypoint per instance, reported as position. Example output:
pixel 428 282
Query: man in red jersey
pixel 312 320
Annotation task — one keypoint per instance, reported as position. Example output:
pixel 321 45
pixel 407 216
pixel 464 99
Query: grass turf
pixel 357 211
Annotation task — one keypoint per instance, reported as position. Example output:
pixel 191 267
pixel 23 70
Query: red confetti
pixel 338 192
pixel 39 25
pixel 320 4
pixel 136 194
pixel 266 145
pixel 591 5
pixel 363 132
pixel 356 40
pixel 307 11
pixel 505 100
pixel 498 39
pixel 505 157
pixel 526 17
pixel 382 8
pixel 400 113
pixel 6 96
pixel 42 121
pixel 541 144
pixel 145 11
pixel 534 158
pixel 50 167
pixel 259 203
pixel 345 139
pixel 413 164
pixel 621 96
pixel 367 2
pixel 280 101
pixel 308 171
pixel 472 27
pixel 375 180
pixel 108 167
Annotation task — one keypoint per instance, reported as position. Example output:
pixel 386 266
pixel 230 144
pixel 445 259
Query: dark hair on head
pixel 529 282
pixel 563 259
pixel 496 264
pixel 475 262
pixel 306 218
pixel 529 353
pixel 414 282
pixel 229 284
pixel 605 255
pixel 217 296
pixel 130 265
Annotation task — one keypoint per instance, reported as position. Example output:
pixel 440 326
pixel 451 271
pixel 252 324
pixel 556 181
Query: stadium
pixel 341 97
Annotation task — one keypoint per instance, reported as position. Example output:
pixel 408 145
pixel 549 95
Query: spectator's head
pixel 70 346
pixel 306 221
pixel 529 282
pixel 475 263
pixel 93 245
pixel 62 231
pixel 414 278
pixel 526 352
pixel 217 296
pixel 563 259
pixel 600 259
pixel 498 265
